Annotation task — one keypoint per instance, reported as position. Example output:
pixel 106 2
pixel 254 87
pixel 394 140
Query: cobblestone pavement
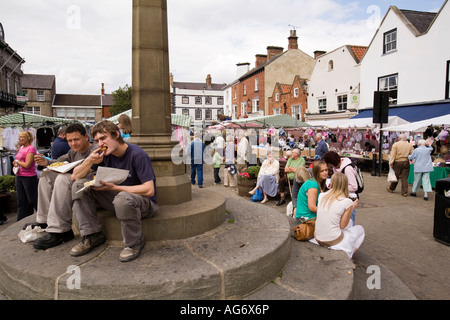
pixel 399 237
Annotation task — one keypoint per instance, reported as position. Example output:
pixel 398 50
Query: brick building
pixel 290 99
pixel 250 94
pixel 40 91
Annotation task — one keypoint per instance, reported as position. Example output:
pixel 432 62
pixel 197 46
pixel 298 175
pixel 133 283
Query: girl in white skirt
pixel 334 228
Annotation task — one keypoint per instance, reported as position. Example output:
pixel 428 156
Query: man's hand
pixel 40 161
pixel 107 186
pixel 96 157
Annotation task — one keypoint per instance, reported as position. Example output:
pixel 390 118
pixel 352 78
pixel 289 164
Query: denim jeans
pixel 197 169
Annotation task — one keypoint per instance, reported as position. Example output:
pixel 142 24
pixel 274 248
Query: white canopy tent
pixel 363 123
pixel 420 126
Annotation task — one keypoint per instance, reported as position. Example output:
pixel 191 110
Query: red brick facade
pixel 246 92
pixel 287 97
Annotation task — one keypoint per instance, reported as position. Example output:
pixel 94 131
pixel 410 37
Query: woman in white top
pixel 268 177
pixel 333 226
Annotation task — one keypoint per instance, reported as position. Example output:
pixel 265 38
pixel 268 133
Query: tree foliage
pixel 122 100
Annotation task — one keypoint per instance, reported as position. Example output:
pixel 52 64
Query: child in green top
pixel 217 162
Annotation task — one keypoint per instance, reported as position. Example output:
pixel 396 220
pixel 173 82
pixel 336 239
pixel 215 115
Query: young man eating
pixel 131 201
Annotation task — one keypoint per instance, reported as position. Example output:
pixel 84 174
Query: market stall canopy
pixel 420 126
pixel 276 121
pixel 177 119
pixel 231 125
pixel 27 120
pixel 355 123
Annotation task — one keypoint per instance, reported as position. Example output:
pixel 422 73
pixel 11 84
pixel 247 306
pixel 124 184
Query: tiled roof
pixel 358 52
pixel 107 100
pixel 420 20
pixel 77 100
pixel 38 81
pixel 197 86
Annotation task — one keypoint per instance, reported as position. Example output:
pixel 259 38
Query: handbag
pixel 305 230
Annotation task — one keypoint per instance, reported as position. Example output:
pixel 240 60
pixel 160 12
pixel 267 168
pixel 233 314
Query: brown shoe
pixel 88 243
pixel 131 253
pixel 389 190
pixel 405 194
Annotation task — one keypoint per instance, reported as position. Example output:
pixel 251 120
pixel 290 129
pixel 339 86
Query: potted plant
pixel 8 193
pixel 246 180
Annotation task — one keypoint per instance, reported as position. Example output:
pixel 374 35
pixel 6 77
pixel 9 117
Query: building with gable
pixel 290 98
pixel 250 94
pixel 334 89
pixel 409 57
pixel 40 91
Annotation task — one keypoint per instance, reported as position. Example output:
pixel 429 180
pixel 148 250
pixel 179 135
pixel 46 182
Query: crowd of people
pixel 332 205
pixel 325 191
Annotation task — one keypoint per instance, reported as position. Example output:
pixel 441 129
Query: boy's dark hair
pixel 332 158
pixel 76 127
pixel 106 126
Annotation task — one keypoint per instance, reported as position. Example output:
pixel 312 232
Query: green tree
pixel 122 100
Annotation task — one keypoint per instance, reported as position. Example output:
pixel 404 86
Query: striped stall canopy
pixel 177 119
pixel 27 120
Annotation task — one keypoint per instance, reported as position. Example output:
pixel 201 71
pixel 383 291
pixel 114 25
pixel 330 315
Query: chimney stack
pixel 273 51
pixel 103 89
pixel 293 40
pixel 318 53
pixel 242 68
pixel 209 81
pixel 260 59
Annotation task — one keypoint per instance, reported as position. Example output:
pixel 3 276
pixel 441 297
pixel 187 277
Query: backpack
pixel 359 176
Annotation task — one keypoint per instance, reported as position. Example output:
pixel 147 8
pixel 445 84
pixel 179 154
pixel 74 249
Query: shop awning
pixel 177 119
pixel 413 113
pixel 26 120
pixel 420 126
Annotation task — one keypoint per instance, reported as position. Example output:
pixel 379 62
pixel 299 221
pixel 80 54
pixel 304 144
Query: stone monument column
pixel 151 105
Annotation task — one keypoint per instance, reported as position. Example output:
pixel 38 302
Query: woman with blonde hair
pixel 334 229
pixel 125 126
pixel 26 177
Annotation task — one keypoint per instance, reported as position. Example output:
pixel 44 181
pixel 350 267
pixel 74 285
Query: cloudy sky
pixel 88 42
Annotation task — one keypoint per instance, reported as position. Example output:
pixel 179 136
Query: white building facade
pixel 334 88
pixel 409 57
pixel 203 102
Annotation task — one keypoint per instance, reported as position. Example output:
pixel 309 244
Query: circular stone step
pixel 206 211
pixel 244 253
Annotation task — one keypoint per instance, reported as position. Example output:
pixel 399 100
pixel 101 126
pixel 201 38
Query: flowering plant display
pixel 244 176
pixel 250 173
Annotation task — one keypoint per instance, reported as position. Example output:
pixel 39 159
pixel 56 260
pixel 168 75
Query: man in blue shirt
pixel 132 200
pixel 60 146
pixel 196 151
pixel 321 148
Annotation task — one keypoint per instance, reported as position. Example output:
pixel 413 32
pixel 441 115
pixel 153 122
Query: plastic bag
pixel 258 196
pixel 290 210
pixel 391 176
pixel 30 234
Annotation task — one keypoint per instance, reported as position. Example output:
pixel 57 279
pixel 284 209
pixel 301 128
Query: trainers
pixel 131 253
pixel 88 243
pixel 52 239
pixel 34 225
